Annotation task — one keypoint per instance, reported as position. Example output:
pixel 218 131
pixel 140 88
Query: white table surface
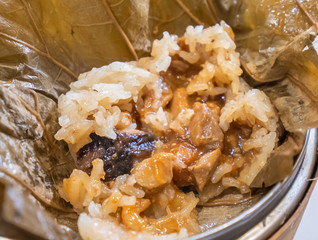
pixel 308 227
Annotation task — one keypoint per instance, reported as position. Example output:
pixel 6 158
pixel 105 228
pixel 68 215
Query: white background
pixel 308 228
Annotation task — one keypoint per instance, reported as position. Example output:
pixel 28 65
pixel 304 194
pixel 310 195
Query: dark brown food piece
pixel 187 154
pixel 234 139
pixel 180 71
pixel 179 102
pixel 204 127
pixel 119 155
pixel 203 169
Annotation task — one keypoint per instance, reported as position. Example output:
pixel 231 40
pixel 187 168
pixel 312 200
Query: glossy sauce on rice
pixel 209 130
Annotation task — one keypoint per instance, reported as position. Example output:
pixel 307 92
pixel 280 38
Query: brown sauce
pixel 201 136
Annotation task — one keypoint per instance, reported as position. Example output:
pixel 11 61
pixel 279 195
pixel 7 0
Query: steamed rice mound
pixel 97 101
pixel 213 133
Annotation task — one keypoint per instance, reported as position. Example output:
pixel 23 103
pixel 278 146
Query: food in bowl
pixel 152 138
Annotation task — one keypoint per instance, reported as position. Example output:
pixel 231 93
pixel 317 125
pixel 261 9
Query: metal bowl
pixel 257 219
pixel 275 206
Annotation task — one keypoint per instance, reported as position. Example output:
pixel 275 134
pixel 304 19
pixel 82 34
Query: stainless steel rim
pixel 251 217
pixel 272 222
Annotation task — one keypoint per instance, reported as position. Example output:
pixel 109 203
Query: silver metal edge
pixel 239 225
pixel 291 201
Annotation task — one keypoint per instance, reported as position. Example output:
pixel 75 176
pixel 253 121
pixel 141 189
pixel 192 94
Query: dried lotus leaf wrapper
pixel 18 216
pixel 278 40
pixel 45 45
pixel 281 161
pixel 28 161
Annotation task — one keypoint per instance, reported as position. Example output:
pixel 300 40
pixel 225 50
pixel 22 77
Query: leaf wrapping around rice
pixel 44 45
pixel 278 40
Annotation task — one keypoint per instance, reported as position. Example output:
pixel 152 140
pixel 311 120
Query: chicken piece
pixel 203 169
pixel 80 189
pixel 119 155
pixel 179 102
pixel 155 171
pixel 215 106
pixel 181 213
pixel 185 154
pixel 181 176
pixel 204 127
pixel 131 215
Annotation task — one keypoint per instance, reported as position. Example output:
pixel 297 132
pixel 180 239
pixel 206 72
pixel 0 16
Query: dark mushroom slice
pixel 119 155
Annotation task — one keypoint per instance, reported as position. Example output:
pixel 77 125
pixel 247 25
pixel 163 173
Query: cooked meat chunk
pixel 185 154
pixel 204 127
pixel 155 171
pixel 119 155
pixel 179 102
pixel 203 169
